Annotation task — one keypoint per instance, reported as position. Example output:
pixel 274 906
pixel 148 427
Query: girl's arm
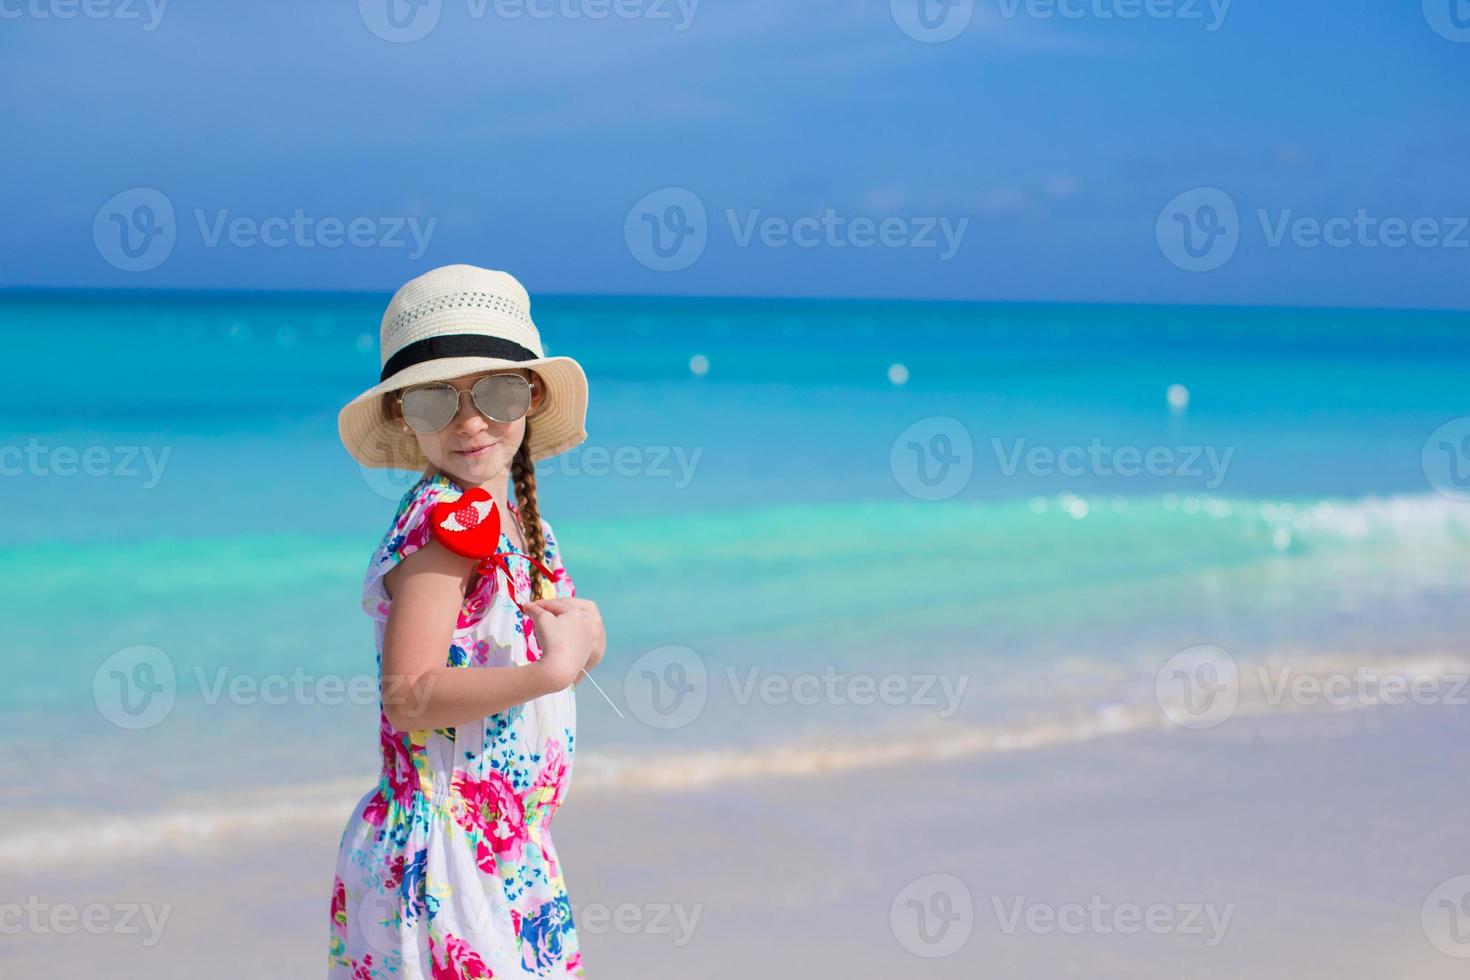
pixel 419 690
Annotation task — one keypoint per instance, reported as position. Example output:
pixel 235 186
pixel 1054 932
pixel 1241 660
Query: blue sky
pixel 1050 147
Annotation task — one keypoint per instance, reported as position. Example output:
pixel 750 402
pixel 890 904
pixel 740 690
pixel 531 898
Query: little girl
pixel 446 870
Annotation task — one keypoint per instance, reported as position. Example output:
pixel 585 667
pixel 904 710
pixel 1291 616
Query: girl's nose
pixel 470 422
pixel 468 419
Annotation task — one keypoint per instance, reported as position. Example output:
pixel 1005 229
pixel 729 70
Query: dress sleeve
pixel 565 588
pixel 408 533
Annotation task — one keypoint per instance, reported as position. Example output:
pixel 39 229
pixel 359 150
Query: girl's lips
pixel 475 453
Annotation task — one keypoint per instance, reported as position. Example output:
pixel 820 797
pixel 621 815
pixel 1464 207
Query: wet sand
pixel 1290 846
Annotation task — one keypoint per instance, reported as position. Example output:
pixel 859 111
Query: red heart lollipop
pixel 468 525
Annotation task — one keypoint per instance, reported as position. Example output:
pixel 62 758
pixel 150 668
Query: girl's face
pixel 475 450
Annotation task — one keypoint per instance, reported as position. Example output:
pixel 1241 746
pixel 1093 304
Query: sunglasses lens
pixel 430 408
pixel 503 397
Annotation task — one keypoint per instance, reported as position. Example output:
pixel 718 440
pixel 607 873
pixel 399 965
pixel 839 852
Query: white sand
pixel 1319 837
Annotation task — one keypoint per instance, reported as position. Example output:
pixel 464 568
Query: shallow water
pixel 769 523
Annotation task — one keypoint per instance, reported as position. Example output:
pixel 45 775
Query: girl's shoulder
pixel 410 530
pixel 407 532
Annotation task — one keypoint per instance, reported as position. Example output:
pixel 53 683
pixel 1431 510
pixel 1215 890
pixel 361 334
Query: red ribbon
pixel 497 561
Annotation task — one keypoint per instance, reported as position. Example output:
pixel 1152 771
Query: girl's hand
pixel 599 643
pixel 568 635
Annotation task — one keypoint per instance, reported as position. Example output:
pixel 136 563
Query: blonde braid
pixel 523 476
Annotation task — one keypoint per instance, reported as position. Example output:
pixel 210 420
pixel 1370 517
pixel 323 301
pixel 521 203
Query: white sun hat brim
pixel 442 310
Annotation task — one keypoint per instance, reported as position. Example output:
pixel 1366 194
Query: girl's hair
pixel 523 479
pixel 523 476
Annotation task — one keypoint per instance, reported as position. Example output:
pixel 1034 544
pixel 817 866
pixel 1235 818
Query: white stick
pixel 602 692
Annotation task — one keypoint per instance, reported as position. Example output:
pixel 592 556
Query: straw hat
pixel 452 321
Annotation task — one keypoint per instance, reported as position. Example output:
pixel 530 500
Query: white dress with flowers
pixel 446 870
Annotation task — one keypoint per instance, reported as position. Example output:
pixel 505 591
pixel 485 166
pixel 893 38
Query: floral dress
pixel 446 870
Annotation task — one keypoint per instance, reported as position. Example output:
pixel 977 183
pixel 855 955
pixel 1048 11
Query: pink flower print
pixel 478 602
pixel 376 810
pixel 339 906
pixel 552 779
pixel 520 580
pixel 491 807
pixel 560 576
pixel 533 643
pixel 418 535
pixel 460 962
pixel 395 874
pixel 364 970
pixel 398 763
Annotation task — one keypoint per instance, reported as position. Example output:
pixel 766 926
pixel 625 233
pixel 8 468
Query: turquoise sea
pixel 1021 510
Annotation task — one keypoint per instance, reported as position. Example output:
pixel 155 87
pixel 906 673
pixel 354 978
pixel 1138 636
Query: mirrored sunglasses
pixel 499 397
